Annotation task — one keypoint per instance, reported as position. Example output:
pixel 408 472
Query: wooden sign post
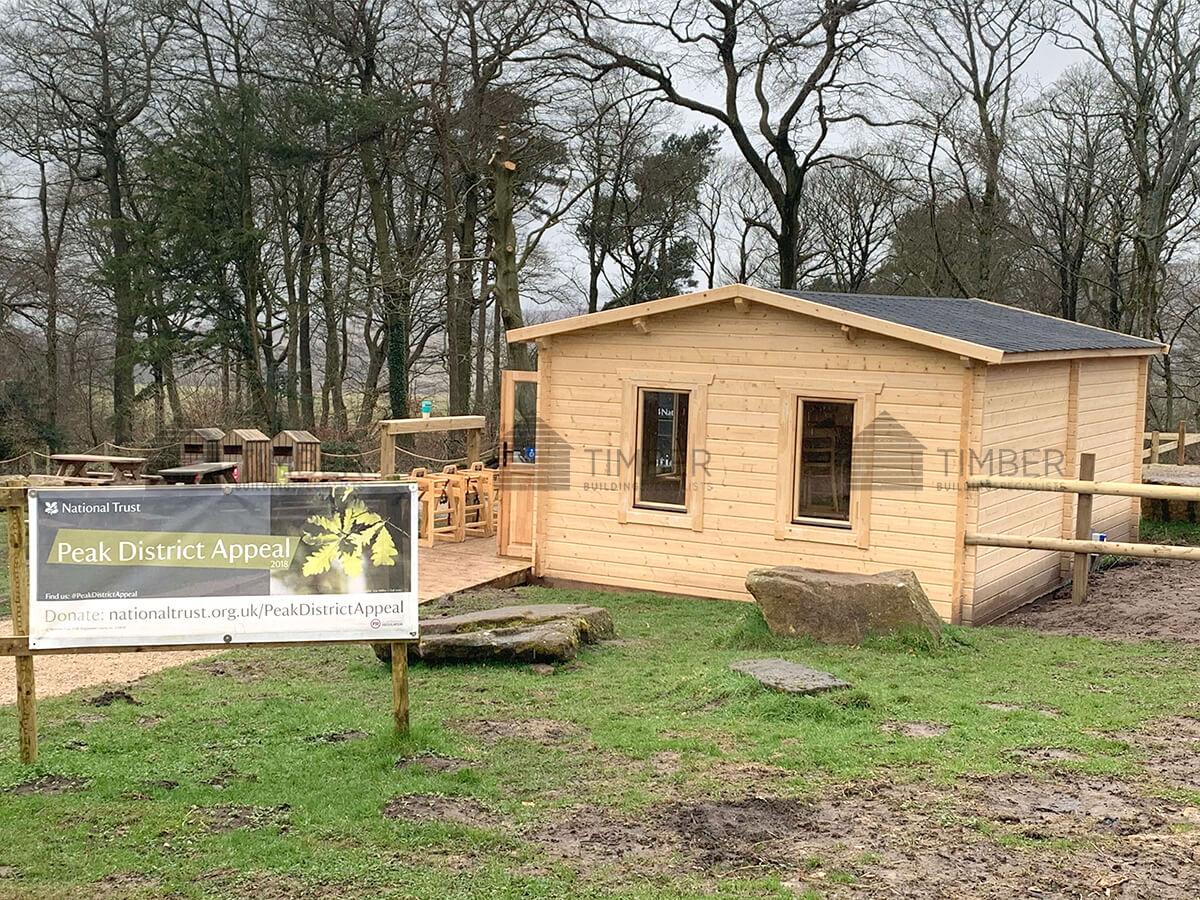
pixel 18 588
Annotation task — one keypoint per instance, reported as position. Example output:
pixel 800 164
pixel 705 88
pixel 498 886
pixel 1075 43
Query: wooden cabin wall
pixel 579 536
pixel 1111 422
pixel 1093 405
pixel 1025 417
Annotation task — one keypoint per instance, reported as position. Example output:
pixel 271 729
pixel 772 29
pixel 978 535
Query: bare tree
pixel 95 63
pixel 1150 52
pixel 782 75
pixel 975 48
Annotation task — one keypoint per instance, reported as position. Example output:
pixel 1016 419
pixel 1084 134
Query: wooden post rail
pixel 1064 545
pixel 1075 486
pixel 389 428
pixel 1082 546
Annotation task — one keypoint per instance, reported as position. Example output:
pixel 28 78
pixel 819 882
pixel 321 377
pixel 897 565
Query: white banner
pixel 222 564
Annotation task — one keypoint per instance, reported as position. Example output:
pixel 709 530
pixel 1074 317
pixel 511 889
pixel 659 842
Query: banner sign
pixel 212 564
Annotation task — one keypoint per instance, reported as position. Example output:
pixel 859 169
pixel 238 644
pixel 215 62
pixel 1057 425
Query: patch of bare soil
pixel 337 737
pixel 241 670
pixel 589 838
pixel 1149 600
pixel 1171 749
pixel 540 731
pixel 108 698
pixel 273 886
pixel 48 784
pixel 230 817
pixel 433 763
pixel 119 883
pixel 1045 755
pixel 907 841
pixel 434 808
pixel 916 729
pixel 1068 807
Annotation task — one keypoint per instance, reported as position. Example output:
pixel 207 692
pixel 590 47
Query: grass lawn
pixel 268 773
pixel 1156 531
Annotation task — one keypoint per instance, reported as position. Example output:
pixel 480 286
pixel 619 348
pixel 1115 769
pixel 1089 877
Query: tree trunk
pixel 481 333
pixel 395 309
pixel 124 300
pixel 504 257
pixel 50 267
pixel 331 381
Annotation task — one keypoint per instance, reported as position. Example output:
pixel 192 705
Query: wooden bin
pixel 300 451
pixel 251 450
pixel 201 445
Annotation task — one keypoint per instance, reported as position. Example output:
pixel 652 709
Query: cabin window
pixel 824 454
pixel 826 460
pixel 662 449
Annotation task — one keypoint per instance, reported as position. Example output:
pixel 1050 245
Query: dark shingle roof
pixel 988 324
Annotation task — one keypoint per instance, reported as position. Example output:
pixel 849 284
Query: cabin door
pixel 518 462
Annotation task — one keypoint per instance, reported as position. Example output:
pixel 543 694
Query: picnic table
pixel 201 473
pixel 310 477
pixel 125 469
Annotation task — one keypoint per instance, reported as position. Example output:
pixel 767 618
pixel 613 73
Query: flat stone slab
pixel 594 622
pixel 554 641
pixel 789 677
pixel 534 633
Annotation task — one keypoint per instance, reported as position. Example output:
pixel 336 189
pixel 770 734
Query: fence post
pixel 1181 449
pixel 1155 449
pixel 1083 529
pixel 18 589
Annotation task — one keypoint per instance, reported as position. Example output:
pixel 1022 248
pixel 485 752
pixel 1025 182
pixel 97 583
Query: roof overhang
pixel 639 313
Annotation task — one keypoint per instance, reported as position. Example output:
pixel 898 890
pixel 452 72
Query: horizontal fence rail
pixel 1108 548
pixel 1074 486
pixel 1081 547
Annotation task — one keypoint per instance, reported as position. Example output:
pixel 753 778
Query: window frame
pixel 856 530
pixel 696 385
pixel 639 440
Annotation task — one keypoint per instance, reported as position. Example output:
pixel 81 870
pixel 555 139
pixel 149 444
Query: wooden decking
pixel 447 568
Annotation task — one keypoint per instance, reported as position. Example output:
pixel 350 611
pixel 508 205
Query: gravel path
pixel 61 674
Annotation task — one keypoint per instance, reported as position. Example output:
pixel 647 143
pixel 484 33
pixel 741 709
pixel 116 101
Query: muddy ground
pixel 1144 600
pixel 1046 833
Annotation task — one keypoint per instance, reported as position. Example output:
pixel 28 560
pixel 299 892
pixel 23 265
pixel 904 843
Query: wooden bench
pixel 201 473
pixel 125 469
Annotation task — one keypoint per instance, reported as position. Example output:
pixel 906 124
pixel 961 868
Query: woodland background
pixel 316 213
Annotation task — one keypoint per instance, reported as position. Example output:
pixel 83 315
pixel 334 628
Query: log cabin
pixel 688 440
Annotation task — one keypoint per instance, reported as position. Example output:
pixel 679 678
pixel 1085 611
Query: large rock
pixel 837 608
pixel 539 632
